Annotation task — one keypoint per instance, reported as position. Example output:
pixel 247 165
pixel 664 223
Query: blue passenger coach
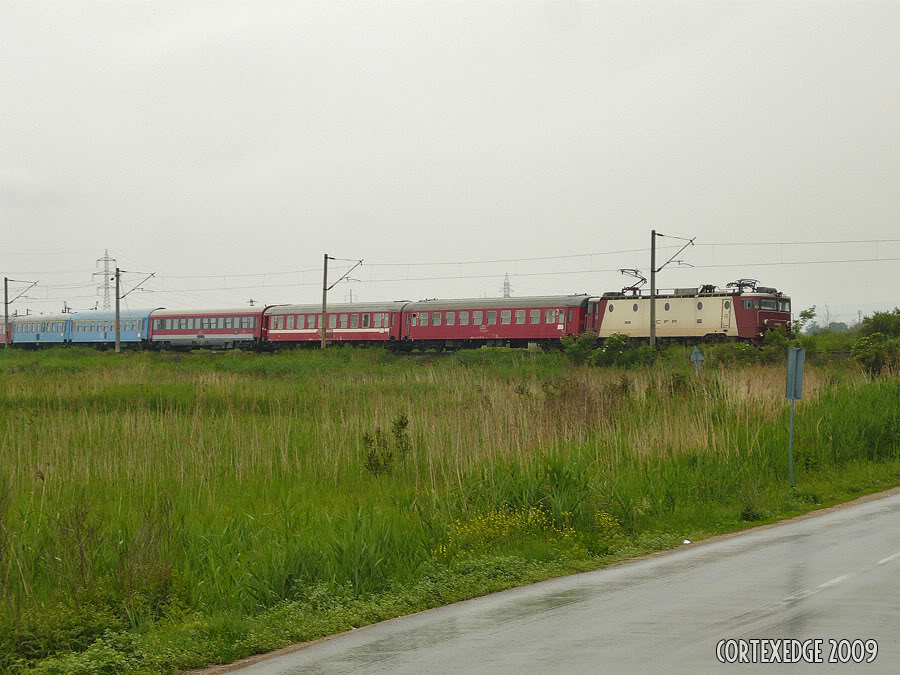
pixel 99 328
pixel 38 330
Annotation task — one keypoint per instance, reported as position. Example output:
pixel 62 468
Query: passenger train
pixel 743 311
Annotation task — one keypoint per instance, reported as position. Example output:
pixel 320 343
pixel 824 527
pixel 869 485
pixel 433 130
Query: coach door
pixel 726 314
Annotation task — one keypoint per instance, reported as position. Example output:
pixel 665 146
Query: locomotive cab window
pixel 770 305
pixel 784 305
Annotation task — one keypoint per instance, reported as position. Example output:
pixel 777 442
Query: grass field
pixel 160 512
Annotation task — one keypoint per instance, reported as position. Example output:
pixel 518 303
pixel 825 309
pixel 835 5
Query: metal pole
pixel 653 288
pixel 118 321
pixel 791 445
pixel 6 337
pixel 324 298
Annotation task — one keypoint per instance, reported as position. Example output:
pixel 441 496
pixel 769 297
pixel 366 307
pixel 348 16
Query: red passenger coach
pixel 212 328
pixel 360 322
pixel 510 322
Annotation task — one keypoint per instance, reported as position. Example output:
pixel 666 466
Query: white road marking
pixel 888 559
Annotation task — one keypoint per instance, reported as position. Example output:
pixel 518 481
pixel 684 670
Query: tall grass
pixel 136 488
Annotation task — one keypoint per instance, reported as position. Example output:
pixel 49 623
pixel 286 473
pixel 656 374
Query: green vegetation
pixel 161 512
pixel 874 344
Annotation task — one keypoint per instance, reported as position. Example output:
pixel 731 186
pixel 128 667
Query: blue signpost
pixel 697 359
pixel 794 391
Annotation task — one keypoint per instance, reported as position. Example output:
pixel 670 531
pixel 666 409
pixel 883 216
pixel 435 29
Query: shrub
pixel 579 349
pixel 886 323
pixel 875 352
pixel 618 351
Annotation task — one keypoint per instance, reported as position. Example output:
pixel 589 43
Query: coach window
pixel 534 316
pixel 354 321
pixel 414 321
pixel 377 320
pixel 492 317
pixel 463 318
pixel 505 316
pixel 520 316
pixel 229 322
pixel 332 320
pixel 366 321
pixel 451 318
pixel 436 318
pixel 423 318
pixel 549 316
pixel 477 318
pixel 699 305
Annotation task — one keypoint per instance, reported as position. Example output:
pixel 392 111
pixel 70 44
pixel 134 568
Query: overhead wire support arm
pixel 144 280
pixel 690 242
pixel 31 284
pixel 346 274
pixel 654 269
pixel 6 302
pixel 325 288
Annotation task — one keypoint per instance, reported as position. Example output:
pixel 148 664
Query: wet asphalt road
pixel 834 576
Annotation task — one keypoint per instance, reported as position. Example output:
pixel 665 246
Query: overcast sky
pixel 217 138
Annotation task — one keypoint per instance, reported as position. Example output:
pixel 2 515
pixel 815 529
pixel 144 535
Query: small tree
pixel 806 316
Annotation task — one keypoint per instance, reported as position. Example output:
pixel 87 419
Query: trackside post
pixel 794 391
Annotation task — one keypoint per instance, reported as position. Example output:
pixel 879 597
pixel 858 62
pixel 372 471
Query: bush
pixel 876 352
pixel 885 323
pixel 619 352
pixel 579 349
